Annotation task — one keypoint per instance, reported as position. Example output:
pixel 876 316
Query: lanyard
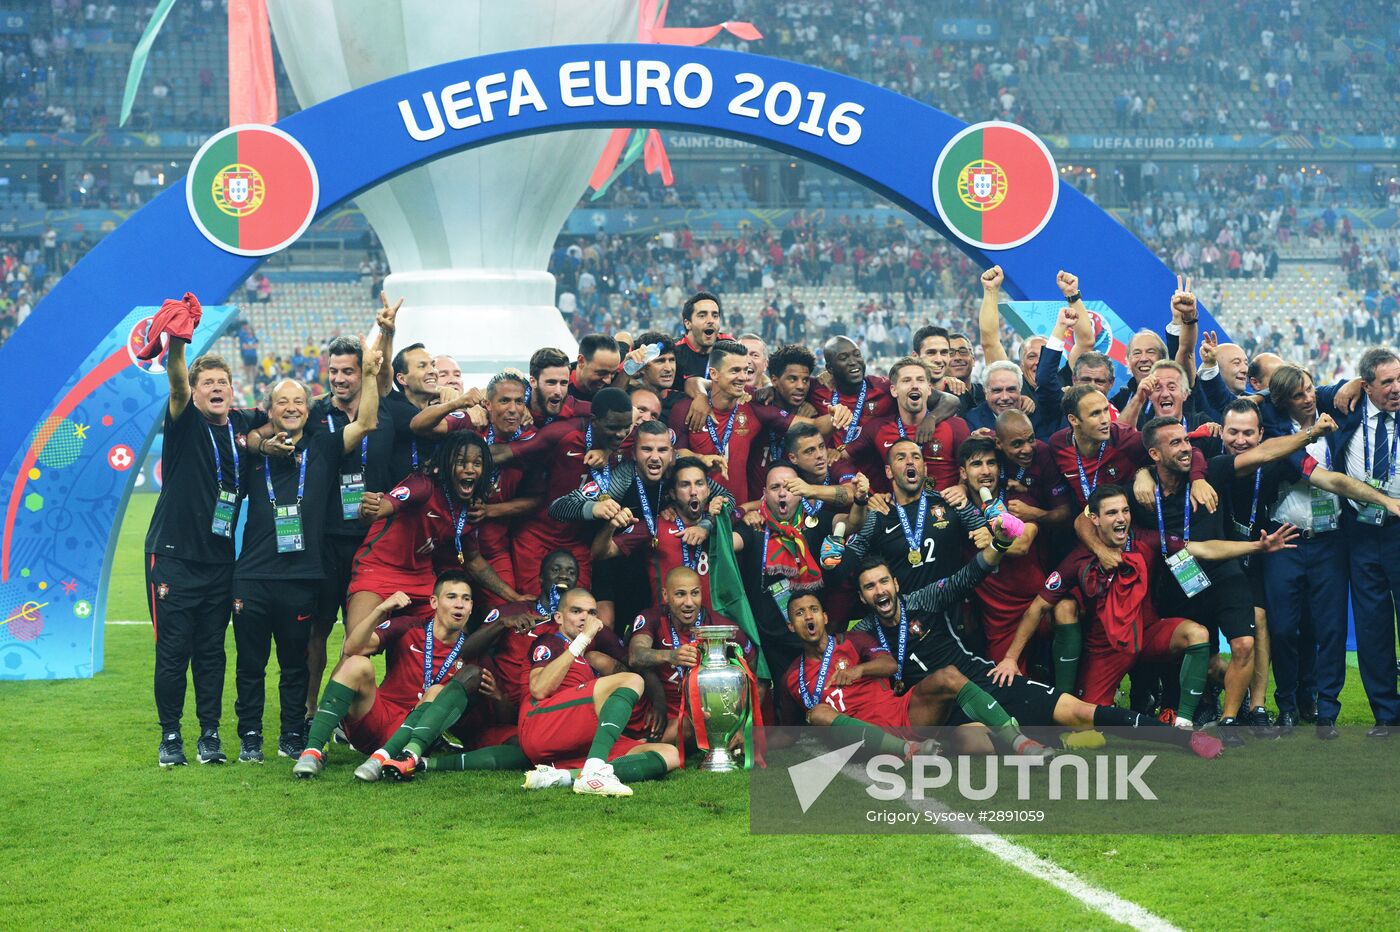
pixel 553 604
pixel 675 638
pixel 647 514
pixel 721 447
pixel 1185 518
pixel 429 679
pixel 605 480
pixel 775 445
pixel 1083 476
pixel 691 560
pixel 301 478
pixel 459 520
pixel 1021 474
pixel 1254 505
pixel 413 449
pixel 853 430
pixel 218 461
pixel 814 507
pixel 903 639
pixel 1365 447
pixel 914 536
pixel 491 434
pixel 808 699
pixel 364 441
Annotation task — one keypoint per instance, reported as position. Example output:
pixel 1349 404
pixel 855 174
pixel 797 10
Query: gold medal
pixel 898 686
pixel 811 521
pixel 915 558
pixel 604 497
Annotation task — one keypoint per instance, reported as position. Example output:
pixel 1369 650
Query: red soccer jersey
pixel 851 649
pixel 940 454
pixel 551 645
pixel 513 648
pixel 1046 488
pixel 665 634
pixel 665 552
pixel 1080 576
pixel 878 403
pixel 743 425
pixel 420 529
pixel 403 640
pixel 1121 455
pixel 1010 588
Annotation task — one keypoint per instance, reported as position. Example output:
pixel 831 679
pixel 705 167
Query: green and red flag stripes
pixel 252 190
pixel 995 185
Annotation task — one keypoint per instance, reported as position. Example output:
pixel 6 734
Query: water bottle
pixel 632 367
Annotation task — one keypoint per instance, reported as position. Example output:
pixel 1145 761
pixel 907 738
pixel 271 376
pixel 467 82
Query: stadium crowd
pixel 904 548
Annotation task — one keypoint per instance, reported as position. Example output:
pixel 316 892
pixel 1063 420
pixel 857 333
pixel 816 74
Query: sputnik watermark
pixel 1116 778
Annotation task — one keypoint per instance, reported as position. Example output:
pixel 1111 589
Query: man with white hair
pixel 449 373
pixel 1002 381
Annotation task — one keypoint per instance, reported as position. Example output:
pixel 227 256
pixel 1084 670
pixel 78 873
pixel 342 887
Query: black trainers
pixel 1259 724
pixel 172 750
pixel 210 750
pixel 291 744
pixel 250 747
pixel 1229 733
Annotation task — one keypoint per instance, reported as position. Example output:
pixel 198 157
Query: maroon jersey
pixel 1121 455
pixel 571 408
pixel 557 451
pixel 665 552
pixel 852 648
pixel 422 527
pixel 657 624
pixel 1046 488
pixel 940 454
pixel 513 647
pixel 549 646
pixel 1081 577
pixel 1010 588
pixel 743 425
pixel 878 403
pixel 404 642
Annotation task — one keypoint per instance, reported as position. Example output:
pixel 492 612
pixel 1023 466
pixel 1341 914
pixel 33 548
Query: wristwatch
pixel 1074 297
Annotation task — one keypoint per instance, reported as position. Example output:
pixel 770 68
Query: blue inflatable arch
pixel 357 141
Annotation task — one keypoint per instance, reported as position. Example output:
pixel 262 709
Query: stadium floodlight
pixel 467 237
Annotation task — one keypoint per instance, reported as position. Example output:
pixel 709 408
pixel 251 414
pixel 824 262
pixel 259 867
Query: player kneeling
pixel 425 687
pixel 579 703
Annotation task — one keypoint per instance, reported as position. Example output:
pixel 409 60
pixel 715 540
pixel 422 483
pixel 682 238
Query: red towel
pixel 177 318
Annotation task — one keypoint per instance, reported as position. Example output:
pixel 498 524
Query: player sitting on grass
pixel 1123 624
pixel 579 702
pixel 426 680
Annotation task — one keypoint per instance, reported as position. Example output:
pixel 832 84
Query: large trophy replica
pixel 468 236
pixel 721 693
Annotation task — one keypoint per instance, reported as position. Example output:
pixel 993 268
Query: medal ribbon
pixel 853 429
pixel 809 700
pixel 914 536
pixel 429 680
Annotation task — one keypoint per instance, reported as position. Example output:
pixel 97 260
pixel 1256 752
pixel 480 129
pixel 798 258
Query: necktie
pixel 1380 459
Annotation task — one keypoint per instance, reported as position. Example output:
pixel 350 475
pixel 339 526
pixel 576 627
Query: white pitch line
pixel 113 622
pixel 1023 859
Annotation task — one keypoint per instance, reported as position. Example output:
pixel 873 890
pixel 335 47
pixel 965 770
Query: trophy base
pixel 719 760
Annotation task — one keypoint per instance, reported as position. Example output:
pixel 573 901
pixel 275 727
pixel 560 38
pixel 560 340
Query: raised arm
pixel 385 321
pixel 1187 315
pixel 1079 323
pixel 178 374
pixel 364 639
pixel 367 416
pixel 1341 484
pixel 1278 448
pixel 989 318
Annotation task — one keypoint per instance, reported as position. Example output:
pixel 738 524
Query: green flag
pixel 727 596
pixel 139 56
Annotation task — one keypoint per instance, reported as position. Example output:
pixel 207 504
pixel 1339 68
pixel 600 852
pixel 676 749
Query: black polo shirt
pixel 259 558
pixel 410 451
pixel 182 524
pixel 370 458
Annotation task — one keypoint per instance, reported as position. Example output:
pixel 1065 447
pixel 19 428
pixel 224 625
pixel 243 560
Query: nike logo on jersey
pixel 431 515
pixel 572 453
pixel 414 649
pixel 891 530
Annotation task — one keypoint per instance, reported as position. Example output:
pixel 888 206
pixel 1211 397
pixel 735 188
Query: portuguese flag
pixel 995 185
pixel 252 190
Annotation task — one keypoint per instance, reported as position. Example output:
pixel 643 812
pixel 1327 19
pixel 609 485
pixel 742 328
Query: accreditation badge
pixel 225 512
pixel 352 492
pixel 287 521
pixel 1188 572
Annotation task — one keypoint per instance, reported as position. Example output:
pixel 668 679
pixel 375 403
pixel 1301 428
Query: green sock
pixel 612 718
pixel 335 702
pixel 1068 643
pixel 1195 662
pixel 438 716
pixel 501 757
pixel 876 738
pixel 399 739
pixel 981 707
pixel 647 765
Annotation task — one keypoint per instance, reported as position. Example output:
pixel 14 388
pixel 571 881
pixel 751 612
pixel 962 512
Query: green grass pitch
pixel 97 836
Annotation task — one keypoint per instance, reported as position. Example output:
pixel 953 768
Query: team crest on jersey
pixel 541 652
pixel 842 664
pixel 870 407
pixel 401 493
pixel 916 629
pixel 162 591
pixel 1113 472
pixel 237 606
pixel 743 421
pixel 1052 582
pixel 640 623
pixel 938 512
pixel 495 613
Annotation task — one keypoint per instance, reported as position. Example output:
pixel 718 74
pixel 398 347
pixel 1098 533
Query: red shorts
pixel 872 704
pixel 1104 667
pixel 559 729
pixel 370 731
pixel 1000 624
pixel 384 581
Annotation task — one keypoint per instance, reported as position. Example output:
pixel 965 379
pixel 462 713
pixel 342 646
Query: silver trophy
pixel 723 692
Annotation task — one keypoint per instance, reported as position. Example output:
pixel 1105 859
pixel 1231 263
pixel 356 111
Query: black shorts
pixel 337 556
pixel 1254 570
pixel 1030 702
pixel 1225 608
